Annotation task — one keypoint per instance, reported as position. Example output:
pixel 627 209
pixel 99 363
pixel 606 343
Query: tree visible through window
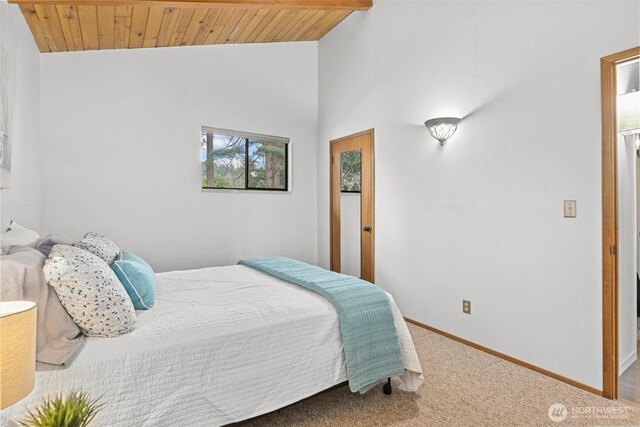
pixel 350 172
pixel 237 160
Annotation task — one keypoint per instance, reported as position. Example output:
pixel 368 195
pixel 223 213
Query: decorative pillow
pixel 17 235
pixel 90 292
pixel 100 246
pixel 138 279
pixel 47 243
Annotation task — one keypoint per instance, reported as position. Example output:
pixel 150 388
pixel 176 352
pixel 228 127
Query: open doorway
pixel 619 222
pixel 628 143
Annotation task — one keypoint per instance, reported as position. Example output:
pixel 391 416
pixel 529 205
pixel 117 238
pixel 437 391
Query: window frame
pixel 248 137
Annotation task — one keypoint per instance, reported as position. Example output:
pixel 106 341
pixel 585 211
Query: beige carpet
pixel 463 387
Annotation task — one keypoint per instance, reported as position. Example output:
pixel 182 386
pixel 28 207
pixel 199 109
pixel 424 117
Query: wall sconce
pixel 442 128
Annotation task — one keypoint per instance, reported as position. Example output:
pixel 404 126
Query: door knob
pixel 367 229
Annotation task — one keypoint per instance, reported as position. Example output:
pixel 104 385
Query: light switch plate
pixel 570 209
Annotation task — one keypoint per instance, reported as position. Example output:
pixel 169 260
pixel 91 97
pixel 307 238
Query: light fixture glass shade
pixel 442 128
pixel 17 350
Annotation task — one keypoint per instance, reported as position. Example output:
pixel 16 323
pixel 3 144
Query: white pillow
pixel 90 292
pixel 18 235
pixel 100 246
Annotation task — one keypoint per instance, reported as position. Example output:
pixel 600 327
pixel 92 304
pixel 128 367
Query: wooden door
pixel 362 142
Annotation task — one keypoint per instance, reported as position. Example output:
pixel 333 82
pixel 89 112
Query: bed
pixel 221 345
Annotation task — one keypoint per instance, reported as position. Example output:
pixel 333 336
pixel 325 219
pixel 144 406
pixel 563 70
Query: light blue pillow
pixel 138 279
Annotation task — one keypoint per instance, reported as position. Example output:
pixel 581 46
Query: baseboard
pixel 628 361
pixel 508 358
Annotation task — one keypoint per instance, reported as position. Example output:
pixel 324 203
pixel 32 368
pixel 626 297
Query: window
pixel 244 161
pixel 350 172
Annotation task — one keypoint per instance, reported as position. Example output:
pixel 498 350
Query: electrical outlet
pixel 466 306
pixel 569 208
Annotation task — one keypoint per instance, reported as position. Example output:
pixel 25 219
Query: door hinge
pixel 331 159
pixel 612 249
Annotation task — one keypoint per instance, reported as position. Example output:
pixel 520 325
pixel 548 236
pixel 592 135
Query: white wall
pixel 627 243
pixel 121 136
pixel 22 200
pixel 481 218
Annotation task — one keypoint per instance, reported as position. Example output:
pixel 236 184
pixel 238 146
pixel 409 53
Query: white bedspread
pixel 220 345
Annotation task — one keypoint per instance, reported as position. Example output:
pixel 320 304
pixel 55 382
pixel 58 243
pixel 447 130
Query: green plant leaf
pixel 77 409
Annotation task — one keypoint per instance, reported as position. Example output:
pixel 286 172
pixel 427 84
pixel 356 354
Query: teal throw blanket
pixel 371 347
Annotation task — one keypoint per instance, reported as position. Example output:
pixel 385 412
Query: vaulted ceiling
pixel 71 25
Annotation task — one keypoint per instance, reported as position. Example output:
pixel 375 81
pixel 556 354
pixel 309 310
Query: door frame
pixel 367 205
pixel 610 220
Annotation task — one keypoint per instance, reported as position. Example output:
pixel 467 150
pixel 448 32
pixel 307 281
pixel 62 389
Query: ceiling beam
pixel 262 4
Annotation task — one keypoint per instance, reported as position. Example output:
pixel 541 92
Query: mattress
pixel 221 345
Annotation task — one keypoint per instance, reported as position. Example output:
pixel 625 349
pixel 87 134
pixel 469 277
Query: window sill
pixel 239 191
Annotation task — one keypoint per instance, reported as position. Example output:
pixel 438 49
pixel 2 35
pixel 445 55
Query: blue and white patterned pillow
pixel 101 246
pixel 90 292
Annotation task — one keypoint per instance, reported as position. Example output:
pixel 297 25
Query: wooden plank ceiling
pixel 71 25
